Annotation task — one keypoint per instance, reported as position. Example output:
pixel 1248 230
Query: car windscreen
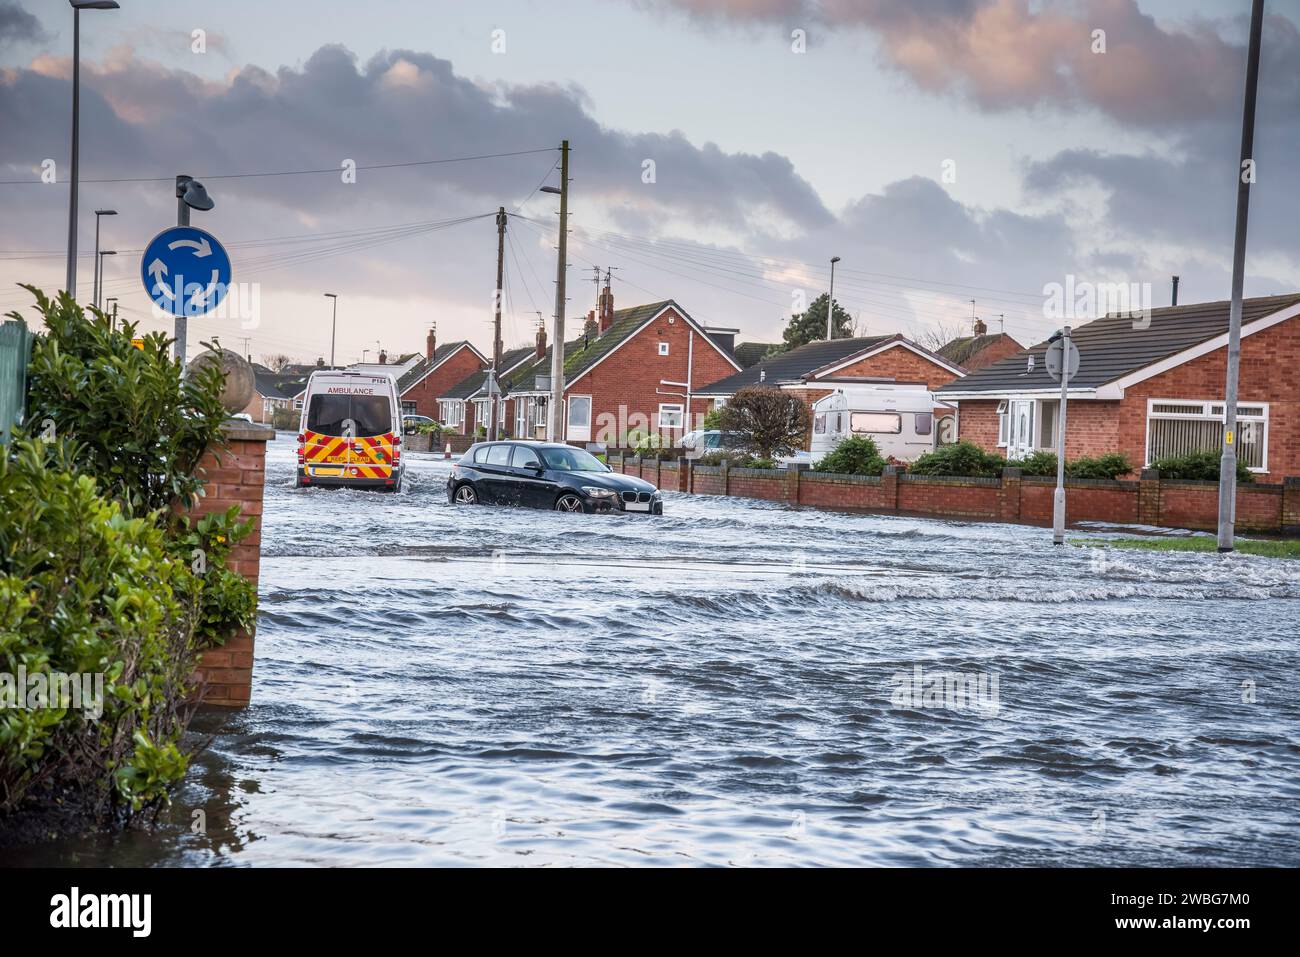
pixel 332 414
pixel 572 460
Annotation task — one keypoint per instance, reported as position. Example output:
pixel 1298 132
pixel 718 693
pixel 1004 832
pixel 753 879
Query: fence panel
pixel 15 353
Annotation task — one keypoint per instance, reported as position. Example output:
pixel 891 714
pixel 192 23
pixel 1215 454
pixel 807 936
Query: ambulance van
pixel 351 431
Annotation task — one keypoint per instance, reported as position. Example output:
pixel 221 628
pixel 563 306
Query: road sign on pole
pixel 1062 362
pixel 185 271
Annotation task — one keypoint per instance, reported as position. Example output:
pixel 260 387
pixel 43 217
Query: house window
pixel 1004 425
pixel 887 423
pixel 408 407
pixel 1049 410
pixel 670 415
pixel 580 412
pixel 1177 427
pixel 663 348
pixel 539 412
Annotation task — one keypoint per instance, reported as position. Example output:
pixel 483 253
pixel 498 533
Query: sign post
pixel 1062 361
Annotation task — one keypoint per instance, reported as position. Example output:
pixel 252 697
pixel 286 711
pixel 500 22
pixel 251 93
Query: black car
pixel 547 475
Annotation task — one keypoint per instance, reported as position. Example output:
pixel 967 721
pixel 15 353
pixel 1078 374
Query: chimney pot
pixel 541 341
pixel 431 344
pixel 980 327
pixel 606 310
pixel 383 357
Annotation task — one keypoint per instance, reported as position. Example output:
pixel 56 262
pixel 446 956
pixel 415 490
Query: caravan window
pixel 924 422
pixel 819 423
pixel 887 423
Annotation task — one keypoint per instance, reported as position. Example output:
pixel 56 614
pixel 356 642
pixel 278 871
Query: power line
pixel 290 172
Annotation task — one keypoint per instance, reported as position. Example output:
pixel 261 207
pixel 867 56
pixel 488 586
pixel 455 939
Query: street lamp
pixel 190 194
pixel 99 269
pixel 98 263
pixel 830 303
pixel 334 324
pixel 77 7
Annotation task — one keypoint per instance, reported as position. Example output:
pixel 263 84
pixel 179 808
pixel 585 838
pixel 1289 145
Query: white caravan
pixel 900 417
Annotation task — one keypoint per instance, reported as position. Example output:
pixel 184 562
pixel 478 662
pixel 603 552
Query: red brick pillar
pixel 1291 505
pixel 235 475
pixel 791 490
pixel 1009 495
pixel 1149 497
pixel 889 485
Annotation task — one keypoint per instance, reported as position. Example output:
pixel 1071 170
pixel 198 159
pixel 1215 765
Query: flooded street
pixel 439 685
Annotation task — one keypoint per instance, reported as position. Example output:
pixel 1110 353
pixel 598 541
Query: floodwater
pixel 736 683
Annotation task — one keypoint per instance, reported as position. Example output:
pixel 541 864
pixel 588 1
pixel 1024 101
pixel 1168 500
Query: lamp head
pixel 94 4
pixel 190 191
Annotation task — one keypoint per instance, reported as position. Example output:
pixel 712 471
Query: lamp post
pixel 99 269
pixel 830 303
pixel 190 194
pixel 98 263
pixel 77 7
pixel 334 323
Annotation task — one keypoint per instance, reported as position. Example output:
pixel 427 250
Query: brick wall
pixel 629 377
pixel 1091 427
pixel 1001 347
pixel 456 369
pixel 234 475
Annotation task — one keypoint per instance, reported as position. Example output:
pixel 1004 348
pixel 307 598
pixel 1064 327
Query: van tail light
pixel 302 439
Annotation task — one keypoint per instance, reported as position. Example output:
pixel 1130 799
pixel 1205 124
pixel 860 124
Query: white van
pixel 351 431
pixel 900 418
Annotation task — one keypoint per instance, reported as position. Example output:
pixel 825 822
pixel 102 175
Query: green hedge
pixel 856 455
pixel 101 571
pixel 1199 466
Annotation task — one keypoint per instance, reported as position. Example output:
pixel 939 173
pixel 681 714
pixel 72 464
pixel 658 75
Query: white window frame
pixel 663 348
pixel 538 411
pixel 1207 414
pixel 576 429
pixel 1004 422
pixel 675 408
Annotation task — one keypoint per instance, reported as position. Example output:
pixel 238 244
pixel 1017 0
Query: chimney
pixel 431 344
pixel 541 341
pixel 383 357
pixel 606 309
pixel 1175 302
pixel 980 328
pixel 320 362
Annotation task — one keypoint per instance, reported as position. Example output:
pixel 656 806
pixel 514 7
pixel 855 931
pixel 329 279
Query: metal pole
pixel 334 325
pixel 830 304
pixel 1228 462
pixel 1058 501
pixel 98 262
pixel 181 323
pixel 493 386
pixel 76 143
pixel 556 432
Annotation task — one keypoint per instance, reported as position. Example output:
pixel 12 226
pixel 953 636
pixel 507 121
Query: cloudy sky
pixel 946 150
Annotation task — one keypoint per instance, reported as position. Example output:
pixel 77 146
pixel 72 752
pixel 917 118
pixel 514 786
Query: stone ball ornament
pixel 238 373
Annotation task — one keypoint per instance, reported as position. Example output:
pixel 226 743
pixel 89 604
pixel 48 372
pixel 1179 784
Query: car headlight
pixel 597 492
pixel 658 494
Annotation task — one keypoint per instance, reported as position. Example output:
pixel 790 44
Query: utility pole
pixel 334 324
pixel 494 387
pixel 830 303
pixel 1058 498
pixel 555 429
pixel 1228 463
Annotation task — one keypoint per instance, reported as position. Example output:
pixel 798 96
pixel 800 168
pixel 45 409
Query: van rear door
pixel 350 427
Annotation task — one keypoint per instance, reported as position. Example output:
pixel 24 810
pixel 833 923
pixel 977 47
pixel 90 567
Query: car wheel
pixel 465 495
pixel 568 502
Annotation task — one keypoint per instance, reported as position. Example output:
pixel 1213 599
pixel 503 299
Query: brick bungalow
pixel 1150 390
pixel 465 405
pixel 637 372
pixel 814 370
pixel 981 349
pixel 272 391
pixel 443 366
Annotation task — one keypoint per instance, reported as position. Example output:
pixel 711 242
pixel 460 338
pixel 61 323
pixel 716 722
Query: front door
pixel 1020 438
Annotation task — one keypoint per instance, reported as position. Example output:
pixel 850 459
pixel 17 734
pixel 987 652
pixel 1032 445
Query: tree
pixel 810 326
pixel 767 421
pixel 277 362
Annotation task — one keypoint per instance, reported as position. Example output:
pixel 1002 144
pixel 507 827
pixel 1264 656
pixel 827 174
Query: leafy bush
pixel 711 419
pixel 1036 463
pixel 285 418
pixel 735 460
pixel 139 426
pixel 429 428
pixel 1109 466
pixel 961 458
pixel 86 590
pixel 1202 466
pixel 101 570
pixel 766 419
pixel 856 455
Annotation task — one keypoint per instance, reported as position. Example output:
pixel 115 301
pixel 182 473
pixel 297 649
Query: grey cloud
pixel 17 25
